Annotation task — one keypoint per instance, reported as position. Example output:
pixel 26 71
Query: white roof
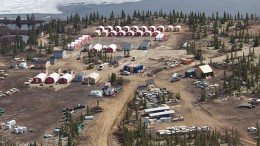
pixel 102 27
pixel 170 26
pixel 157 109
pixel 143 27
pixel 148 31
pixel 41 76
pixel 112 46
pixel 130 31
pixel 67 76
pixel 98 47
pixel 93 75
pixel 105 31
pixel 134 26
pixel 152 27
pixel 139 31
pixel 178 26
pixel 162 113
pixel 122 31
pixel 97 31
pixel 205 68
pixel 160 26
pixel 128 27
pixel 112 31
pixel 55 76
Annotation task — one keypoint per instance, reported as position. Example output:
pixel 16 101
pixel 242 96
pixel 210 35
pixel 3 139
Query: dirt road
pixel 98 134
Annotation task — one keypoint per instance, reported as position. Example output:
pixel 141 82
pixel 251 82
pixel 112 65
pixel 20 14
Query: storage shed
pixel 157 109
pixel 117 60
pixel 128 46
pixel 96 33
pixel 83 40
pixel 126 28
pixel 52 78
pixel 203 71
pixel 112 33
pixel 139 33
pixel 92 78
pixel 134 28
pixel 160 28
pixel 169 28
pixel 101 28
pixel 87 47
pixel 130 33
pixel 22 65
pixel 59 54
pixel 177 28
pixel 121 33
pixel 143 28
pixel 134 68
pixel 53 60
pixel 155 33
pixel 80 77
pixel 40 78
pixel 41 64
pixel 79 42
pixel 161 37
pixel 148 33
pixel 145 45
pixel 152 28
pixel 109 28
pixel 117 28
pixel 96 48
pixel 111 48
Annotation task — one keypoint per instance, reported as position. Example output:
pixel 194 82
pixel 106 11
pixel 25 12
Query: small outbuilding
pixel 117 60
pixel 126 28
pixel 161 37
pixel 145 45
pixel 169 28
pixel 87 47
pixel 40 78
pixel 52 78
pixel 177 28
pixel 161 28
pixel 152 28
pixel 203 71
pixel 134 68
pixel 112 33
pixel 41 64
pixel 109 91
pixel 130 33
pixel 109 28
pixel 121 33
pixel 143 28
pixel 53 60
pixel 128 46
pixel 104 33
pixel 96 33
pixel 139 33
pixel 134 28
pixel 148 33
pixel 92 78
pixel 111 48
pixel 117 28
pixel 22 65
pixel 80 77
pixel 66 78
pixel 59 54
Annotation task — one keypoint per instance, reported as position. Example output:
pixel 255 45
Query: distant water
pixel 61 8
